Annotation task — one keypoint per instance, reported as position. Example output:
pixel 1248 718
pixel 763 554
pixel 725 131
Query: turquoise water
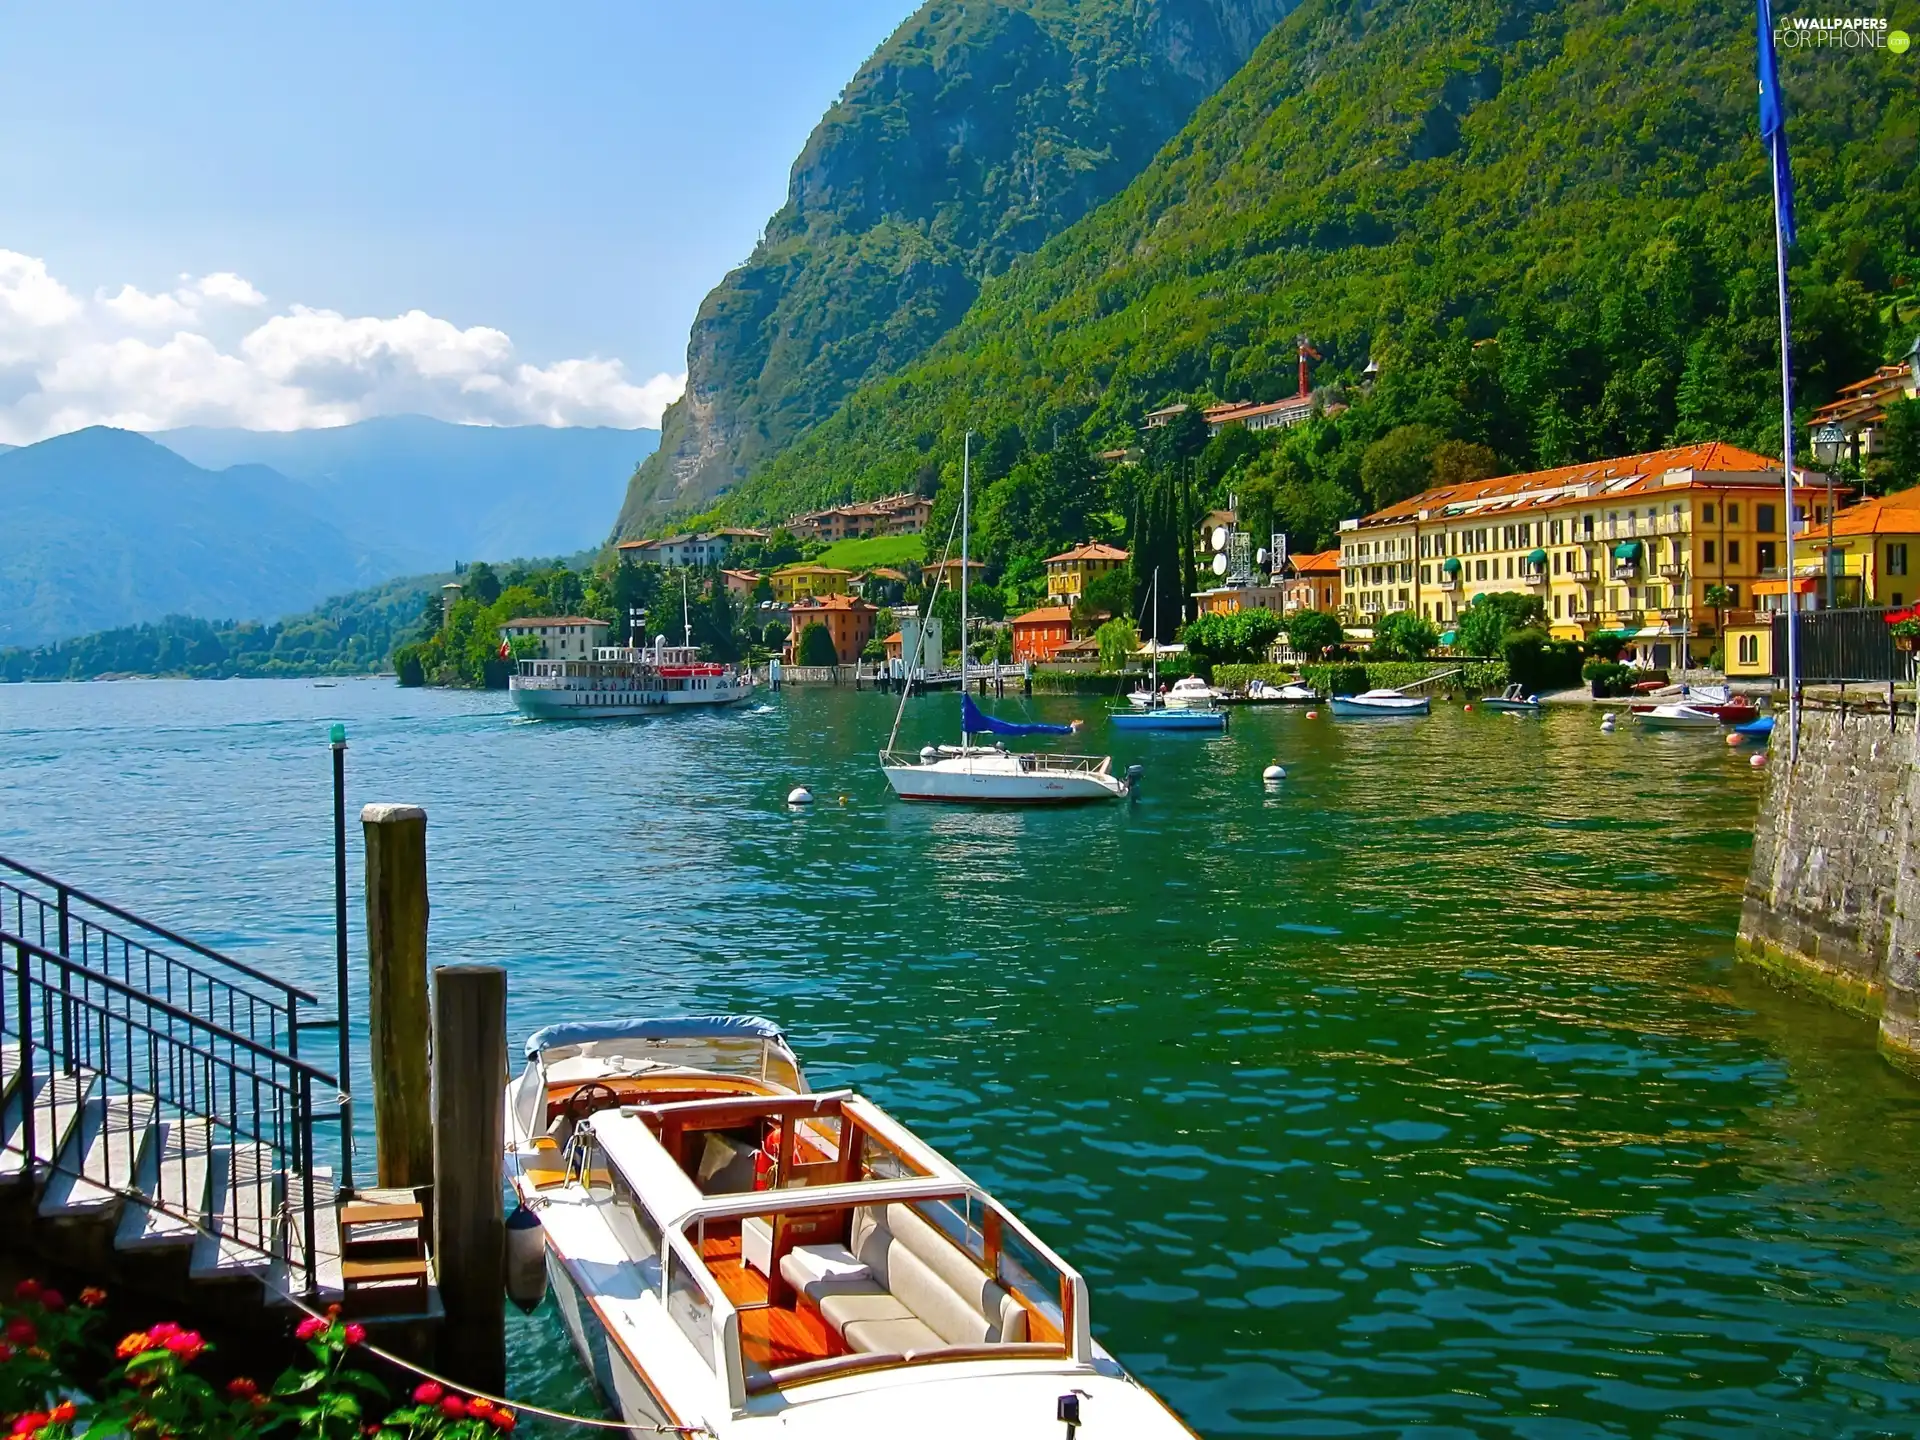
pixel 1418 1097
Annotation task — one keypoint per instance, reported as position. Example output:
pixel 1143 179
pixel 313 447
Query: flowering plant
pixel 155 1393
pixel 1905 624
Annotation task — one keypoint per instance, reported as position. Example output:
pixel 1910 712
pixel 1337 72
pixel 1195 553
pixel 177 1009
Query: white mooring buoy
pixel 1273 772
pixel 799 795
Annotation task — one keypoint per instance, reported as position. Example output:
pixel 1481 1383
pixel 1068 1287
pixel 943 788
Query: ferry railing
pixel 139 1067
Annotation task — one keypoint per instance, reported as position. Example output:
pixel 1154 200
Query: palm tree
pixel 1719 597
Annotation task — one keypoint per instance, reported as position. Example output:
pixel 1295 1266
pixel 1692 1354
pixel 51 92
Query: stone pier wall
pixel 1833 900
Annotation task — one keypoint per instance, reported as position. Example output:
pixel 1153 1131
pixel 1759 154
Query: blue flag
pixel 1773 122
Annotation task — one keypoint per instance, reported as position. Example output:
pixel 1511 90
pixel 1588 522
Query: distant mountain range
pixel 431 493
pixel 105 528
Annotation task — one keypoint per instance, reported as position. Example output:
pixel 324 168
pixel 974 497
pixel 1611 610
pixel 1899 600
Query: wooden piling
pixel 397 1017
pixel 469 1231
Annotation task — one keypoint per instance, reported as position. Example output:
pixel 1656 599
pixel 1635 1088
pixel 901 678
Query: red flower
pixel 6 1352
pixel 187 1344
pixel 22 1332
pixel 134 1344
pixel 356 1334
pixel 30 1422
pixel 93 1297
pixel 162 1332
pixel 53 1300
pixel 453 1407
pixel 310 1327
pixel 503 1420
pixel 241 1388
pixel 428 1393
pixel 63 1412
pixel 479 1405
pixel 28 1289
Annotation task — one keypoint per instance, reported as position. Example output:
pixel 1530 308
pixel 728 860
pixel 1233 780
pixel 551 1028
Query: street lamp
pixel 1827 441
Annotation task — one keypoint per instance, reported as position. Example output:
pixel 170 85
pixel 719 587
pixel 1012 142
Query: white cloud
pixel 149 362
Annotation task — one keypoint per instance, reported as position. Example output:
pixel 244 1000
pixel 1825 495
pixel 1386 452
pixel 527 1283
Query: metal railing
pixel 156 1031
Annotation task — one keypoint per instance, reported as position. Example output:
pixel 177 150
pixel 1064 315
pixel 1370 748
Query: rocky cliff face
pixel 973 134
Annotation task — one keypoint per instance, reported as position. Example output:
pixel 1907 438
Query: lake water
pixel 1417 1097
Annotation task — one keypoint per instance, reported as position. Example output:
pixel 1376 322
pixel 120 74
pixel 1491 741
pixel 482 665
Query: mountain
pixel 972 135
pixel 1548 223
pixel 431 493
pixel 105 527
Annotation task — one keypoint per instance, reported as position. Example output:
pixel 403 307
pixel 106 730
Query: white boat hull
pixel 1000 778
pixel 1694 720
pixel 552 704
pixel 1354 705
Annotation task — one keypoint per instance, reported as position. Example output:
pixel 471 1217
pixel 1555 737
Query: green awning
pixel 1447 638
pixel 1538 559
pixel 1451 565
pixel 1627 550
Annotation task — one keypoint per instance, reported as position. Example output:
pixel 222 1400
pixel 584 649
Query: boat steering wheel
pixel 589 1098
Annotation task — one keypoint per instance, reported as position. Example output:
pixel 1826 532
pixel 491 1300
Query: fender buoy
pixel 526 1259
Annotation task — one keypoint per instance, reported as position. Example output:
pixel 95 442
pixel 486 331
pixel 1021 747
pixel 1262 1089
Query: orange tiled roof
pixel 528 620
pixel 1045 615
pixel 1624 476
pixel 1320 562
pixel 1092 550
pixel 1895 514
pixel 831 602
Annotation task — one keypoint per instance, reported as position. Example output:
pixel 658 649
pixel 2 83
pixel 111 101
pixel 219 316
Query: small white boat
pixel 1259 692
pixel 1191 691
pixel 735 1256
pixel 1380 702
pixel 1677 716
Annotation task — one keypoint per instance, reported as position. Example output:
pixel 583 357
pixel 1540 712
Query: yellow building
pixel 1750 650
pixel 803 582
pixel 1876 545
pixel 1071 571
pixel 1629 545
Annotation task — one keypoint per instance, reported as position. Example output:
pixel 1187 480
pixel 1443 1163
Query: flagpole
pixel 1786 453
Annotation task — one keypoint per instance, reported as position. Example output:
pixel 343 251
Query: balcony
pixel 1626 569
pixel 1673 570
pixel 1448 582
pixel 1534 577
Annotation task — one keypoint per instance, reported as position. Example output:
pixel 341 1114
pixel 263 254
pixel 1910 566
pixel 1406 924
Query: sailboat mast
pixel 966 524
pixel 1156 631
pixel 686 618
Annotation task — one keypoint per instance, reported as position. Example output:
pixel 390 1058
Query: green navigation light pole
pixel 337 737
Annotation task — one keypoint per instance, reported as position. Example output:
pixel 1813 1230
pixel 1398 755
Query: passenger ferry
pixel 625 680
pixel 736 1256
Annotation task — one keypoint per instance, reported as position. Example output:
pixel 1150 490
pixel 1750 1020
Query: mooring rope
pixel 519 1407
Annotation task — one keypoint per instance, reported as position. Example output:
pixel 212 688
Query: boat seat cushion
pixel 877 1323
pixel 825 1265
pixel 943 1288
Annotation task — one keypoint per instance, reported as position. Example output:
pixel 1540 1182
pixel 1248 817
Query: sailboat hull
pixel 1168 719
pixel 1002 779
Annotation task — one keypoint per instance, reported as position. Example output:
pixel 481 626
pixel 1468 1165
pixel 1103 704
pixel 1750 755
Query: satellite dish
pixel 1260 558
pixel 1219 537
pixel 1219 564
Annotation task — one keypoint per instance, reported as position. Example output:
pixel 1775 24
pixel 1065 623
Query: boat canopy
pixel 1627 550
pixel 690 1027
pixel 976 721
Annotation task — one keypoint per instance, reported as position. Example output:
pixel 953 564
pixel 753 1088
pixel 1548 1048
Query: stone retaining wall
pixel 1832 899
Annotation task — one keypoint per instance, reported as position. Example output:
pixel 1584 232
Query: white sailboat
pixel 970 774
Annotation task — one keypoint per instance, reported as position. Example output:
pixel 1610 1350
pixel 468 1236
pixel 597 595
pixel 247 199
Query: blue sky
pixel 576 176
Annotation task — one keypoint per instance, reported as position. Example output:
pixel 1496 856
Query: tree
pixel 1118 640
pixel 1108 594
pixel 1483 625
pixel 1241 636
pixel 1404 635
pixel 1456 462
pixel 481 583
pixel 1897 465
pixel 1398 465
pixel 816 646
pixel 1313 632
pixel 874 649
pixel 1721 599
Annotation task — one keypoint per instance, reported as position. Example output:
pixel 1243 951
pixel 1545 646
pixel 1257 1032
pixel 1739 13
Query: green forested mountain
pixel 1548 224
pixel 974 133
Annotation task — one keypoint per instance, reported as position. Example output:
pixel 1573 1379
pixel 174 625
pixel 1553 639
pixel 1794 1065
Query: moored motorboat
pixel 1189 706
pixel 1190 691
pixel 1514 700
pixel 1380 702
pixel 1676 716
pixel 1260 692
pixel 734 1255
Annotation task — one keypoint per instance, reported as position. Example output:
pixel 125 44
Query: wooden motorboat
pixel 1380 702
pixel 734 1255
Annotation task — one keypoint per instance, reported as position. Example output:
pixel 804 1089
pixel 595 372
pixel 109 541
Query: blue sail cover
pixel 975 721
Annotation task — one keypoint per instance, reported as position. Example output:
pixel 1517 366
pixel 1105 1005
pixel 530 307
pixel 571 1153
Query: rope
pixel 400 1361
pixel 926 614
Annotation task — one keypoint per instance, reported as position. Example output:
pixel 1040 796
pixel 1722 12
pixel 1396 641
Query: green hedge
pixel 1476 676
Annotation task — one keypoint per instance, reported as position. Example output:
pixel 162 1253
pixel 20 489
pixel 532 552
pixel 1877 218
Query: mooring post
pixel 469 1232
pixel 397 1019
